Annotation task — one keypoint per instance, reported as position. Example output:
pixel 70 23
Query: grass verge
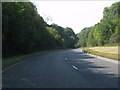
pixel 114 56
pixel 7 62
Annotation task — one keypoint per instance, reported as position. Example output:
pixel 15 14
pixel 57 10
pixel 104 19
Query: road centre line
pixel 66 58
pixel 75 67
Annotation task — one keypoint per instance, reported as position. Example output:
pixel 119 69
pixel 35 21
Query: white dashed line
pixel 75 67
pixel 65 58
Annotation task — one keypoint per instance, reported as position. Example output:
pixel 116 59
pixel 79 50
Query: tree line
pixel 106 32
pixel 25 31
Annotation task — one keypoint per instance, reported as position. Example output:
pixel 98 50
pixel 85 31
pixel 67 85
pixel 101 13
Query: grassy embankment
pixel 107 52
pixel 7 62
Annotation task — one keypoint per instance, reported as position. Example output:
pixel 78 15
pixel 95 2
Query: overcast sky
pixel 74 14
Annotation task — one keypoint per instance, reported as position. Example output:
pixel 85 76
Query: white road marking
pixel 75 67
pixel 105 59
pixel 66 58
pixel 109 73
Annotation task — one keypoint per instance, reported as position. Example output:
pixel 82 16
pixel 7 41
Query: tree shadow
pixel 95 73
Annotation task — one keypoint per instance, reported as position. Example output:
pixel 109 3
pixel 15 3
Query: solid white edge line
pixel 75 67
pixel 105 59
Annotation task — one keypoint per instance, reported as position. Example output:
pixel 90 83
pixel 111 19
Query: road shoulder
pixel 103 58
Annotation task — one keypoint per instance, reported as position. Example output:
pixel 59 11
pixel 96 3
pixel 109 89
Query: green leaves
pixel 67 36
pixel 25 31
pixel 105 32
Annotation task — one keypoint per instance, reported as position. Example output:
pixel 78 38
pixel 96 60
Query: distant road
pixel 62 69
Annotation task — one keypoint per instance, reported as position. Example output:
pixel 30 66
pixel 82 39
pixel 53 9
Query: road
pixel 62 69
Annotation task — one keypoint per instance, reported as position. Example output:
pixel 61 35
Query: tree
pixel 104 32
pixel 25 31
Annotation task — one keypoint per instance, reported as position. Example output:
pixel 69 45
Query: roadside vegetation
pixel 107 52
pixel 104 33
pixel 24 32
pixel 6 62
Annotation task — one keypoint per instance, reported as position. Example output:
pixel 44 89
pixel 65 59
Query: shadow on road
pixel 56 70
pixel 91 69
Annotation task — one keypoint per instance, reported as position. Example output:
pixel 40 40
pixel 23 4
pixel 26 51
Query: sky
pixel 74 14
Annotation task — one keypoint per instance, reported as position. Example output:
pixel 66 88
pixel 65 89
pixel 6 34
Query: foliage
pixel 25 31
pixel 104 32
pixel 83 35
pixel 67 34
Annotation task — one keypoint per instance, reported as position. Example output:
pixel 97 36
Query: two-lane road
pixel 62 69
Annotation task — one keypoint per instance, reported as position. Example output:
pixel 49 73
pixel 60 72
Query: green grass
pixel 7 62
pixel 103 52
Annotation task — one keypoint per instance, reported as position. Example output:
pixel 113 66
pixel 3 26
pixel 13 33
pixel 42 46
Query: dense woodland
pixel 106 32
pixel 25 31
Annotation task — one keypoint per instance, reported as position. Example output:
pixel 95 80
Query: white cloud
pixel 74 14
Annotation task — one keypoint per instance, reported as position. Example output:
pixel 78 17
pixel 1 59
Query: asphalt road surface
pixel 62 69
